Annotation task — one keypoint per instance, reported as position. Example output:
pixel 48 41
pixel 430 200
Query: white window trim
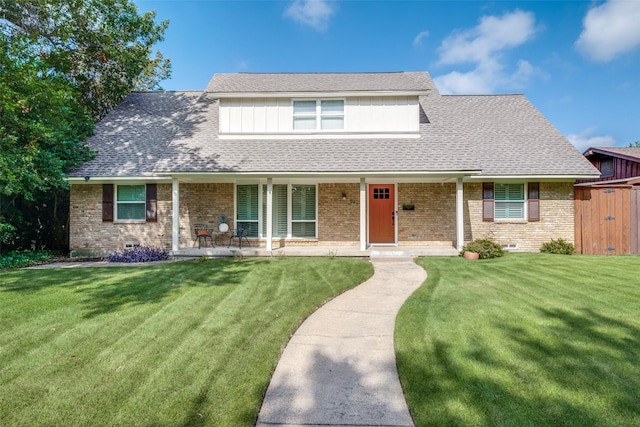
pixel 318 115
pixel 235 207
pixel 263 232
pixel 290 213
pixel 116 203
pixel 525 210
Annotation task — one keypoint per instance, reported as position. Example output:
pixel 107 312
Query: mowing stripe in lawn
pixel 528 339
pixel 172 344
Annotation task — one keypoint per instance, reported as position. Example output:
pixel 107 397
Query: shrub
pixel 16 259
pixel 139 254
pixel 485 248
pixel 560 246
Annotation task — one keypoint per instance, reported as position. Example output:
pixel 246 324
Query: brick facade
pixel 556 218
pixel 338 219
pixel 89 236
pixel 431 222
pixel 202 204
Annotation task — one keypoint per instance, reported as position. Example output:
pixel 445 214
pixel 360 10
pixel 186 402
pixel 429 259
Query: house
pixel 614 163
pixel 359 159
pixel 608 208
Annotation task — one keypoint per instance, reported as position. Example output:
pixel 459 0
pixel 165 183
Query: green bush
pixel 17 259
pixel 560 246
pixel 485 248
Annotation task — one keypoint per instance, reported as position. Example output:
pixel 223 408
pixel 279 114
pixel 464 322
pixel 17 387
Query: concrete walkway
pixel 339 368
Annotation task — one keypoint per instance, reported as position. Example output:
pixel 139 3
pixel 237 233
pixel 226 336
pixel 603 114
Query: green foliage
pixel 485 248
pixel 7 232
pixel 103 47
pixel 560 246
pixel 63 66
pixel 16 259
pixel 42 123
pixel 634 144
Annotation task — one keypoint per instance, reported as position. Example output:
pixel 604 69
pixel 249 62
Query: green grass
pixel 524 340
pixel 188 343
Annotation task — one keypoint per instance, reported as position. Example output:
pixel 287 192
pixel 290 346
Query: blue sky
pixel 577 61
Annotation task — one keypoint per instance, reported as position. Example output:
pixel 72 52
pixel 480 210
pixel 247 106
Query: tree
pixel 634 144
pixel 42 123
pixel 63 66
pixel 104 47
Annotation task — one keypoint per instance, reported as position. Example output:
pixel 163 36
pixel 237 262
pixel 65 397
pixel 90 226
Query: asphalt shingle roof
pixel 501 135
pixel 319 82
pixel 630 152
pixel 134 136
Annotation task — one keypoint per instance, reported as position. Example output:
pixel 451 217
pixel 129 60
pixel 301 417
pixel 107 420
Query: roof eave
pixel 321 94
pixel 533 177
pixel 594 150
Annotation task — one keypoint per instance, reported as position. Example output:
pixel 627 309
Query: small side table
pixel 221 235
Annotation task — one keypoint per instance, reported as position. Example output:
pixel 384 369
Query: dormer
pixel 319 106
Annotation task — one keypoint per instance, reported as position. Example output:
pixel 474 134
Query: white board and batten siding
pixel 387 114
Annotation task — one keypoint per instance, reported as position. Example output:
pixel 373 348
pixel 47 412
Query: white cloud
pixel 314 13
pixel 610 30
pixel 484 45
pixel 418 40
pixel 584 140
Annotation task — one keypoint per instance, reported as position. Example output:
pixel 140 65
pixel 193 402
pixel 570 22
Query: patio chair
pixel 202 234
pixel 239 233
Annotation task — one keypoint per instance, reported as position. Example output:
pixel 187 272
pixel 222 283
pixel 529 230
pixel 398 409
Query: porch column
pixel 269 213
pixel 175 226
pixel 363 215
pixel 459 214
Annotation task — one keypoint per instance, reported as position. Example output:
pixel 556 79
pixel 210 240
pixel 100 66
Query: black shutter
pixel 487 201
pixel 152 203
pixel 107 202
pixel 534 201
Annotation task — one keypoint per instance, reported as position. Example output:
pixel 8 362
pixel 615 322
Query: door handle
pixel 393 218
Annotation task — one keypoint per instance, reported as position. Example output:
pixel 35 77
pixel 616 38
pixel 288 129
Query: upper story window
pixel 326 114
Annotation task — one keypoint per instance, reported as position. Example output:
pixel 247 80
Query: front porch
pixel 320 250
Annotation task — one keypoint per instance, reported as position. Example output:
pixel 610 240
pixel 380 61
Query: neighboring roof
pixel 239 83
pixel 629 153
pixel 499 135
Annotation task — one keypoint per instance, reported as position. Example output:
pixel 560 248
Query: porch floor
pixel 320 250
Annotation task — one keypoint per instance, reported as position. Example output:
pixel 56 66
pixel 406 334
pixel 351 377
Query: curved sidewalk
pixel 339 369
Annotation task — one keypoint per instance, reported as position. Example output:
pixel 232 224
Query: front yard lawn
pixel 524 340
pixel 188 343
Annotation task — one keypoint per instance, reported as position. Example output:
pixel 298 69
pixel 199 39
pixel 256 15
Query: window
pixel 247 208
pixel 325 114
pixel 303 210
pixel 381 193
pixel 509 201
pixel 293 210
pixel 332 114
pixel 131 202
pixel 606 167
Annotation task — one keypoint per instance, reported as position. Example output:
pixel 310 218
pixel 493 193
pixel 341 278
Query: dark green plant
pixel 17 259
pixel 485 248
pixel 560 246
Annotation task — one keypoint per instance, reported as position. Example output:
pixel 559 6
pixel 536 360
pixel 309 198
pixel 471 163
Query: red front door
pixel 381 213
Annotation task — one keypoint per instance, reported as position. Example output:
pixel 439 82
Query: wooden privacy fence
pixel 606 219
